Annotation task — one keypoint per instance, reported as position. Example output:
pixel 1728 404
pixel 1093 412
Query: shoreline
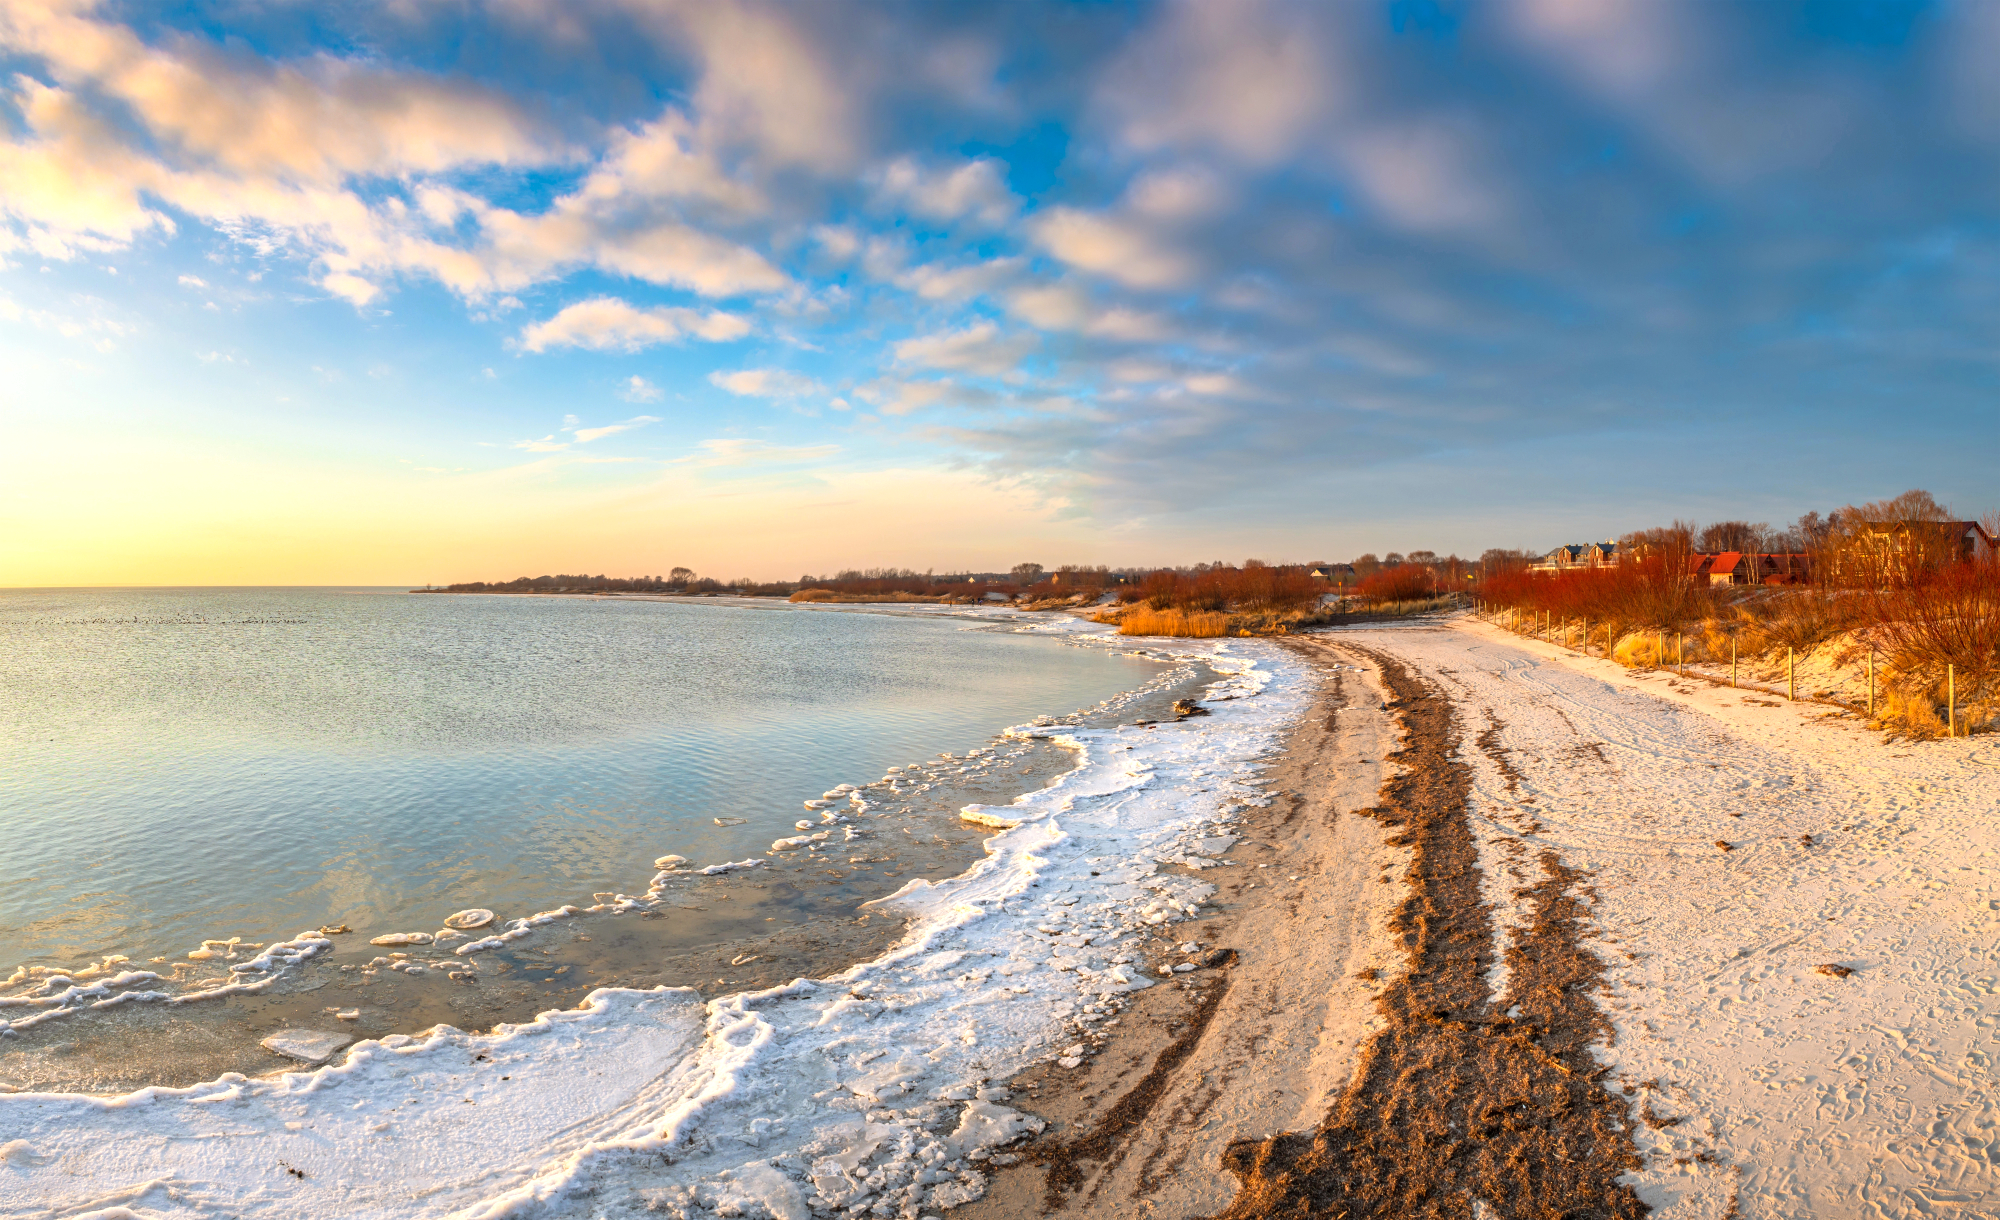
pixel 1262 1037
pixel 823 926
pixel 1150 806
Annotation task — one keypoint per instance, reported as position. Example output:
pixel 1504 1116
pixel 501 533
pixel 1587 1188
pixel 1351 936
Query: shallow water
pixel 181 765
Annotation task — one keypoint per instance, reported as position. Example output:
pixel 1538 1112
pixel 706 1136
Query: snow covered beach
pixel 1778 932
pixel 869 1093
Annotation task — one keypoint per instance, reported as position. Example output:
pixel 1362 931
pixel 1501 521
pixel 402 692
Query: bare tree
pixel 1889 543
pixel 1733 536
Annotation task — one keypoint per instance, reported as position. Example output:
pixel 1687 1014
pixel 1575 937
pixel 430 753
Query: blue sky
pixel 403 292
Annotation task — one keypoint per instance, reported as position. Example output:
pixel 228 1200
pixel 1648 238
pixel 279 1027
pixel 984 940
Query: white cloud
pixel 976 190
pixel 638 389
pixel 193 281
pixel 548 444
pixel 764 383
pixel 1113 247
pixel 1066 306
pixel 586 435
pixel 269 152
pixel 608 324
pixel 1249 77
pixel 742 451
pixel 936 282
pixel 1624 47
pixel 1420 175
pixel 980 349
pixel 895 396
pixel 1181 193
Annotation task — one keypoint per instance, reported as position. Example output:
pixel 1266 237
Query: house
pixel 1334 573
pixel 1577 556
pixel 1722 568
pixel 1877 548
pixel 1749 568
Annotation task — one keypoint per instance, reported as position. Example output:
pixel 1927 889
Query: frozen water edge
pixel 869 1093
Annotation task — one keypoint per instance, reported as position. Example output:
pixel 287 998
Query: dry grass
pixel 1797 619
pixel 1143 620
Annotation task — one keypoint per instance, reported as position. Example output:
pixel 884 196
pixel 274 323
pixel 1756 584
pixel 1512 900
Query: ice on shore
pixel 306 1045
pixel 984 815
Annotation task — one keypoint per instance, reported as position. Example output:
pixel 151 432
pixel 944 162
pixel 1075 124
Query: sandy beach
pixel 1603 943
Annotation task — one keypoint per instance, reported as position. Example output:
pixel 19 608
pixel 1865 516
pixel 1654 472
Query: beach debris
pixel 983 815
pixel 468 919
pixel 334 929
pixel 670 861
pixel 1833 970
pixel 404 938
pixel 1725 845
pixel 307 1045
pixel 347 1014
pixel 1188 707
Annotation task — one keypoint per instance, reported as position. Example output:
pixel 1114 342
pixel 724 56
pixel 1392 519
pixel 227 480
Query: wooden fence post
pixel 1950 701
pixel 1871 684
pixel 1681 652
pixel 1586 637
pixel 1791 676
pixel 1732 662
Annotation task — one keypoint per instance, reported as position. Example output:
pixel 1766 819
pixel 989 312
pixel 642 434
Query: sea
pixel 212 771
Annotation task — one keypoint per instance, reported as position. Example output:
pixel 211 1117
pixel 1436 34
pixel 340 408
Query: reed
pixel 1144 620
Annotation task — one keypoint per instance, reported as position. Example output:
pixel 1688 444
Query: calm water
pixel 186 764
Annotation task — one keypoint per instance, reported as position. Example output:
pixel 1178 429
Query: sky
pixel 351 293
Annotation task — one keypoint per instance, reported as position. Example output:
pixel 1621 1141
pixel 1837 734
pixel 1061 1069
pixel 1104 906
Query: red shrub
pixel 1406 582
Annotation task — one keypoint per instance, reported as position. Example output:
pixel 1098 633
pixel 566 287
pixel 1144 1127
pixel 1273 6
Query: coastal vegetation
pixel 1897 619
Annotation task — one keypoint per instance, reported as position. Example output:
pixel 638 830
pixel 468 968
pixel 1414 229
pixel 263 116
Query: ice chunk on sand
pixel 309 1045
pixel 405 938
pixel 714 870
pixel 466 920
pixel 984 815
pixel 985 1125
pixel 670 861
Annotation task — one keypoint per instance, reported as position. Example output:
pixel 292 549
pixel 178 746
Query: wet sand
pixel 1264 1039
pixel 1342 1053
